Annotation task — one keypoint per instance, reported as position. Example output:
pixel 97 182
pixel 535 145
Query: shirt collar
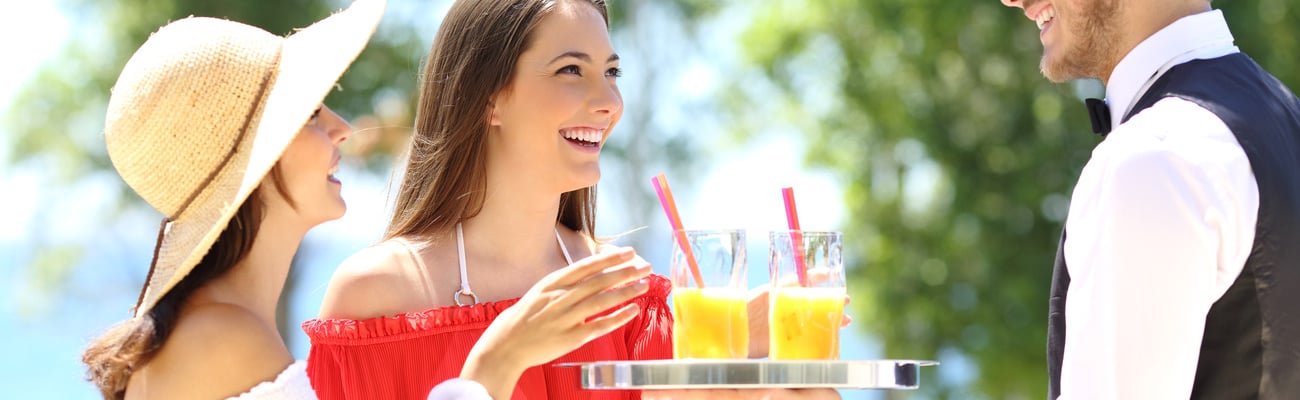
pixel 1197 36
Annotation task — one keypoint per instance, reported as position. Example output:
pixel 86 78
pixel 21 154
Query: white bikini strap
pixel 464 277
pixel 567 260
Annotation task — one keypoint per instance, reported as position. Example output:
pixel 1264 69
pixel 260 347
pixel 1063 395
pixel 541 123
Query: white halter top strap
pixel 464 276
pixel 567 260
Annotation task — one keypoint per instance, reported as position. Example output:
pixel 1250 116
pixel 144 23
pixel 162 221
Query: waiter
pixel 1178 273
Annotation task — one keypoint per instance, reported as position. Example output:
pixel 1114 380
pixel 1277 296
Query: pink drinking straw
pixel 670 209
pixel 796 236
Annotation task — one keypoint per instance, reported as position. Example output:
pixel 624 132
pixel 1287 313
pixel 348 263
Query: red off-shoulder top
pixel 406 355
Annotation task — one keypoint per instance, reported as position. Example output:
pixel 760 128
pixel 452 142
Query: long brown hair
pixel 126 347
pixel 472 59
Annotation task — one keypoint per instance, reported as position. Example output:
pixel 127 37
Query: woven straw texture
pixel 205 108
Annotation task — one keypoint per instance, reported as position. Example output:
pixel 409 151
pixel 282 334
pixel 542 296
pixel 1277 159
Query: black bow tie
pixel 1099 113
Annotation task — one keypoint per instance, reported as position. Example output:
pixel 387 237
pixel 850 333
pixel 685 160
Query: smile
pixel 333 170
pixel 585 137
pixel 1044 18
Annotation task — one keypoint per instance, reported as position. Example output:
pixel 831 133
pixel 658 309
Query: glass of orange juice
pixel 710 318
pixel 806 311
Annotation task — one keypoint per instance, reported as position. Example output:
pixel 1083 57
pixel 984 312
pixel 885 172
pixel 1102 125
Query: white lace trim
pixel 291 384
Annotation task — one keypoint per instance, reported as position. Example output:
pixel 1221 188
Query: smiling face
pixel 1080 38
pixel 561 104
pixel 306 171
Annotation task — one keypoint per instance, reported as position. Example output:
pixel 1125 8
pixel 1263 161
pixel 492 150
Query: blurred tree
pixel 959 159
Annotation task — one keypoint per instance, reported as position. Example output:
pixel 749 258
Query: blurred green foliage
pixel 959 160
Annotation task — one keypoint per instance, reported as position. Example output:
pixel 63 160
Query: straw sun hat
pixel 205 108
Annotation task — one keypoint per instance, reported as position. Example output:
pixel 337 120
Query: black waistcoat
pixel 1251 345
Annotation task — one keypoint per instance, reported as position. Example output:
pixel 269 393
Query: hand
pixel 738 394
pixel 555 317
pixel 759 314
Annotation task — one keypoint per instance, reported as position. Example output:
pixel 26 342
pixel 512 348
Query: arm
pixel 370 284
pixel 1148 255
pixel 554 318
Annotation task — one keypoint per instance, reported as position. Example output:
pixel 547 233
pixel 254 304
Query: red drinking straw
pixel 796 236
pixel 670 209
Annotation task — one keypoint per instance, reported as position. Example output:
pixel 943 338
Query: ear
pixel 494 111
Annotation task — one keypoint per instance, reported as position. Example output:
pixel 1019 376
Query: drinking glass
pixel 806 311
pixel 710 318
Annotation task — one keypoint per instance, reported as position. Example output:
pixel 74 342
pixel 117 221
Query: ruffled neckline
pixel 437 320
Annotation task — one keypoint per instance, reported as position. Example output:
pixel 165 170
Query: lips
pixel 334 169
pixel 583 136
pixel 1045 17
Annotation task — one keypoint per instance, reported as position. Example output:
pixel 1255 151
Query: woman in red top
pixel 518 97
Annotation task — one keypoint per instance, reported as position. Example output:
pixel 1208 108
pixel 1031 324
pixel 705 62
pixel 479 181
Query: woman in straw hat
pixel 202 112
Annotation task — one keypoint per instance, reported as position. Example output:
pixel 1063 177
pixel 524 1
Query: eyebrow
pixel 581 56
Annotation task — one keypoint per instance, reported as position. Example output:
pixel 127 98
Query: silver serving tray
pixel 758 373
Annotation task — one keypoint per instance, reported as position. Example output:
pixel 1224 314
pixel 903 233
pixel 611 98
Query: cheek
pixel 555 103
pixel 298 154
pixel 308 156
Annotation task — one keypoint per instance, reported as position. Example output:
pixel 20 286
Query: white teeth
pixel 1045 17
pixel 334 170
pixel 583 135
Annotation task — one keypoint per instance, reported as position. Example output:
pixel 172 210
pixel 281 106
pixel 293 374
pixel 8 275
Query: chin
pixel 335 211
pixel 1051 67
pixel 585 179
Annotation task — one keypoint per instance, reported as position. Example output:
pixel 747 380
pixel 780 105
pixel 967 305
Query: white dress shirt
pixel 1160 224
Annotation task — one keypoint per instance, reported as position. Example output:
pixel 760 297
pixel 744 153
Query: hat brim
pixel 311 62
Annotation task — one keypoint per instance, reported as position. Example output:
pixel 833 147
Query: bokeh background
pixel 920 128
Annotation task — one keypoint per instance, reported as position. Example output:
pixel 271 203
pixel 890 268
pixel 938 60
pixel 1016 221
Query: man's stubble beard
pixel 1091 44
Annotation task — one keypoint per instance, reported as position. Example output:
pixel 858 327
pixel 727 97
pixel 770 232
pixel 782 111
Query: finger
pixel 847 320
pixel 601 326
pixel 584 268
pixel 608 279
pixel 607 300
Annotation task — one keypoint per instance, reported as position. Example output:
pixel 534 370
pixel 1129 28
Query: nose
pixel 1013 3
pixel 338 129
pixel 606 98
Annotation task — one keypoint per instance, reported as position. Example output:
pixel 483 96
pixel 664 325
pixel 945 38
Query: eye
pixel 316 114
pixel 570 69
pixel 614 72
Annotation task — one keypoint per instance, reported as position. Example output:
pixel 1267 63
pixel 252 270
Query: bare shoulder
pixel 224 346
pixel 380 280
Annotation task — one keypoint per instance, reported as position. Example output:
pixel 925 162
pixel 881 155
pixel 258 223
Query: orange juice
pixel 805 323
pixel 710 323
